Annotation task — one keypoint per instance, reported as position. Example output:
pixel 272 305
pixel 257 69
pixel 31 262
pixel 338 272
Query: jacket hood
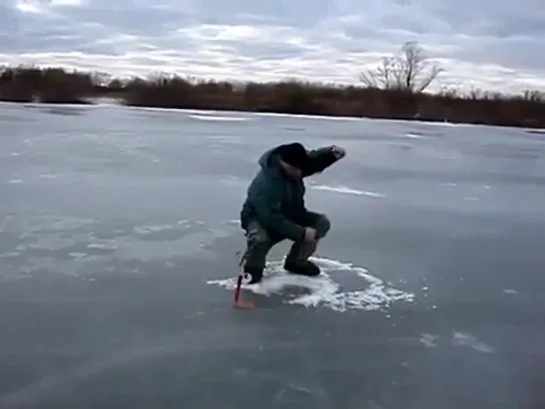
pixel 269 162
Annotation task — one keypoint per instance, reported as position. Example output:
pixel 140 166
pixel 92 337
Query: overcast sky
pixel 491 44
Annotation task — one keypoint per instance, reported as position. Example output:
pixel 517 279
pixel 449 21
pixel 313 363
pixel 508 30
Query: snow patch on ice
pixel 460 338
pixel 510 291
pixel 456 339
pixel 314 117
pixel 413 135
pixel 429 340
pixel 77 255
pixel 104 245
pixel 323 290
pixel 147 229
pixel 218 118
pixel 10 254
pixel 347 190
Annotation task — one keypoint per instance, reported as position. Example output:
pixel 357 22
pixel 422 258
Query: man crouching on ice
pixel 274 209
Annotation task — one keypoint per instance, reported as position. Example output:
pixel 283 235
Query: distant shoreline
pixel 212 113
pixel 58 86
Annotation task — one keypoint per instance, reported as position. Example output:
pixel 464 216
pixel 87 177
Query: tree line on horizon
pixel 395 89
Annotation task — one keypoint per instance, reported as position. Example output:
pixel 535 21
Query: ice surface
pixel 119 236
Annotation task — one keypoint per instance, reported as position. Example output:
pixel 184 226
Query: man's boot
pixel 297 260
pixel 252 275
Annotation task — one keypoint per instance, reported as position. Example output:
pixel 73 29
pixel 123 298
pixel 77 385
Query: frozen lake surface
pixel 118 240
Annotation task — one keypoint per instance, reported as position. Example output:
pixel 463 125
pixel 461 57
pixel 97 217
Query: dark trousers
pixel 260 241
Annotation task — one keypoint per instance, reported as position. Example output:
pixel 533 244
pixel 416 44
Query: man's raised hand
pixel 338 152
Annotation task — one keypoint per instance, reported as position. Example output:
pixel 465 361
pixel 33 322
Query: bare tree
pixel 410 70
pixel 534 96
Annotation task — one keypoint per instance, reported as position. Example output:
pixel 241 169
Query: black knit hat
pixel 294 154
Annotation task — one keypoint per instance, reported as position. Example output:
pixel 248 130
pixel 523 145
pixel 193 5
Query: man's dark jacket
pixel 276 202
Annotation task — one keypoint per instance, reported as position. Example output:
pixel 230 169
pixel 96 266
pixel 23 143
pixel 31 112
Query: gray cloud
pixel 494 44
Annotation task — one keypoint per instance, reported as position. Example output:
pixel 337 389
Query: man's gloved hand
pixel 338 152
